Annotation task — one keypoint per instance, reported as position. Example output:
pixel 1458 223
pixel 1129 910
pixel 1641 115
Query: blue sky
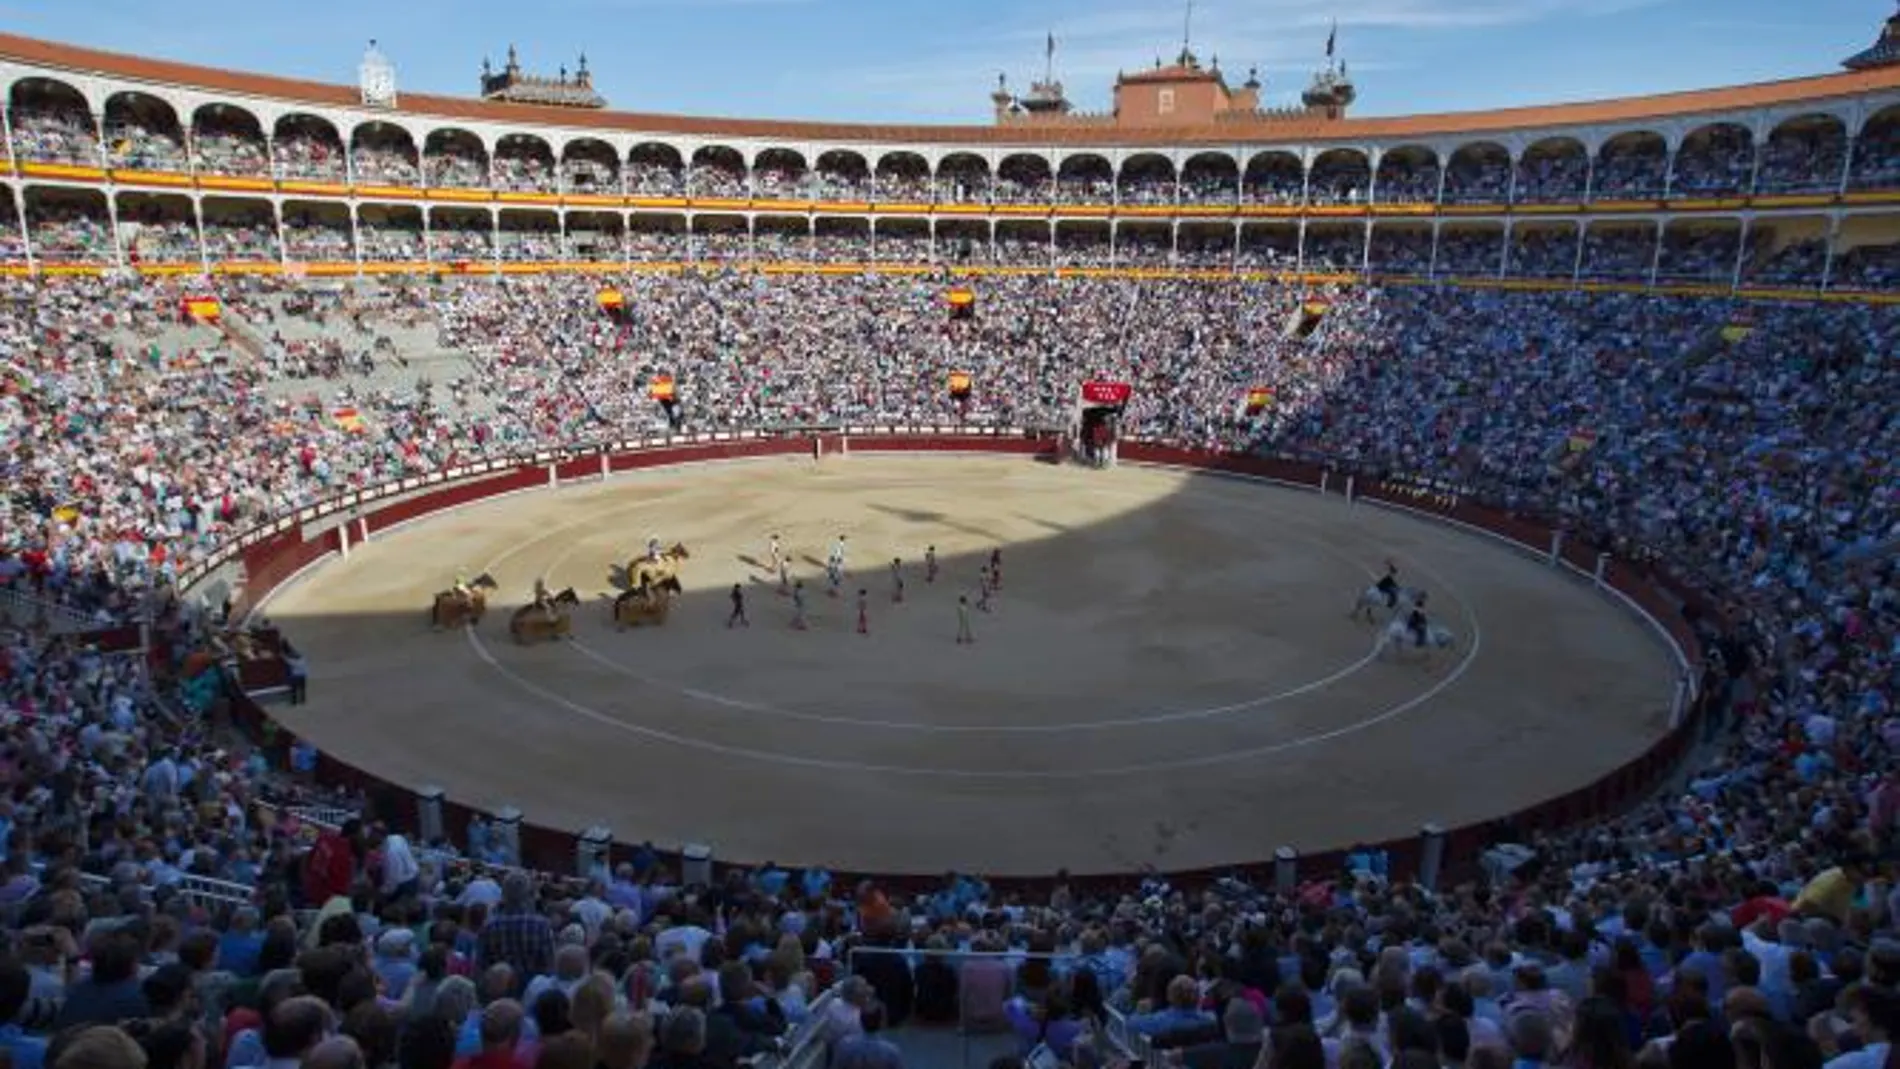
pixel 926 60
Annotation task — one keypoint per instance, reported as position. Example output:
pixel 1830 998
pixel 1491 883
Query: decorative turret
pixel 1247 97
pixel 1046 98
pixel 376 77
pixel 1186 93
pixel 512 86
pixel 1001 98
pixel 1331 92
pixel 1884 52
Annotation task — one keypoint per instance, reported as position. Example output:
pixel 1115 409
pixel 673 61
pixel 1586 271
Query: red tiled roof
pixel 1630 110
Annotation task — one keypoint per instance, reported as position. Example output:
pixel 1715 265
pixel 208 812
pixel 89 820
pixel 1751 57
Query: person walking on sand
pixel 930 564
pixel 798 606
pixel 964 635
pixel 864 612
pixel 897 579
pixel 983 591
pixel 738 617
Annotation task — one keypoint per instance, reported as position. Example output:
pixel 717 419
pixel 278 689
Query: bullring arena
pixel 1168 676
pixel 294 375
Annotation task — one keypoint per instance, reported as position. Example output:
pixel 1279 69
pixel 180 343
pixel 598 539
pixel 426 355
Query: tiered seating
pixel 1739 907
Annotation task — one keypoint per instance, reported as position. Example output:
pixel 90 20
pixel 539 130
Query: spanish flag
pixel 1316 308
pixel 610 300
pixel 347 420
pixel 662 389
pixel 1258 398
pixel 1581 440
pixel 1737 333
pixel 962 301
pixel 202 307
pixel 66 513
pixel 960 383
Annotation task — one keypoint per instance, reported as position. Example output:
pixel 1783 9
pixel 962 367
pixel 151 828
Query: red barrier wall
pixel 423 504
pixel 271 561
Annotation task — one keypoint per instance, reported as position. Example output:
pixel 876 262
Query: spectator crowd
pixel 1746 918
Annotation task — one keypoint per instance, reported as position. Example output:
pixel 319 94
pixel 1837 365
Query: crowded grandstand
pixel 1665 327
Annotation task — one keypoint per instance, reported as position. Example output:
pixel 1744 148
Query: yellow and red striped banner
pixel 960 383
pixel 662 388
pixel 1258 398
pixel 203 308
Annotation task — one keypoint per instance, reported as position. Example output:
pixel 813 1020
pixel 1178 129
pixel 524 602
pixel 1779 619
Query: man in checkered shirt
pixel 516 935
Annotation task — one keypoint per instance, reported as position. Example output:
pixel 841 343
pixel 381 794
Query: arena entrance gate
pixel 1097 425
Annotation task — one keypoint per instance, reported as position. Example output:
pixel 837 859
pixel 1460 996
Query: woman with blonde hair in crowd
pixel 788 955
pixel 594 1001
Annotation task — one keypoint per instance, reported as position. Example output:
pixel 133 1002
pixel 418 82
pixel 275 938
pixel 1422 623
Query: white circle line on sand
pixel 1179 716
pixel 765 709
pixel 830 765
pixel 587 712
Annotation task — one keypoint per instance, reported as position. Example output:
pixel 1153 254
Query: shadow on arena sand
pixel 1166 676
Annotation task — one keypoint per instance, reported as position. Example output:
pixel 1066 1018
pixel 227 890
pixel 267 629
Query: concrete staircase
pixel 418 355
pixel 21 609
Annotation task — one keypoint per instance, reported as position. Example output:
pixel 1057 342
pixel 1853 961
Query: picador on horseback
pixel 1388 585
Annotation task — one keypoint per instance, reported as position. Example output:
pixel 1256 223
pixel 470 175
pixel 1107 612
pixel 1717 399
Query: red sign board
pixel 1106 393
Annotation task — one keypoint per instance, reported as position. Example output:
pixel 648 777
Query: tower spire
pixel 1049 59
pixel 1187 32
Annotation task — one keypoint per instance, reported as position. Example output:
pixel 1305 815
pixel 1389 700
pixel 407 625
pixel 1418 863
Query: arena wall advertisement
pixel 276 553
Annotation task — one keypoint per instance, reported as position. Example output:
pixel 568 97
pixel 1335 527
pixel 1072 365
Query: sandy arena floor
pixel 1168 675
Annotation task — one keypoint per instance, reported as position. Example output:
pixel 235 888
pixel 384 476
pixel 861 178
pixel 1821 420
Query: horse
pixel 451 608
pixel 645 605
pixel 1373 599
pixel 1397 636
pixel 644 571
pixel 532 623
